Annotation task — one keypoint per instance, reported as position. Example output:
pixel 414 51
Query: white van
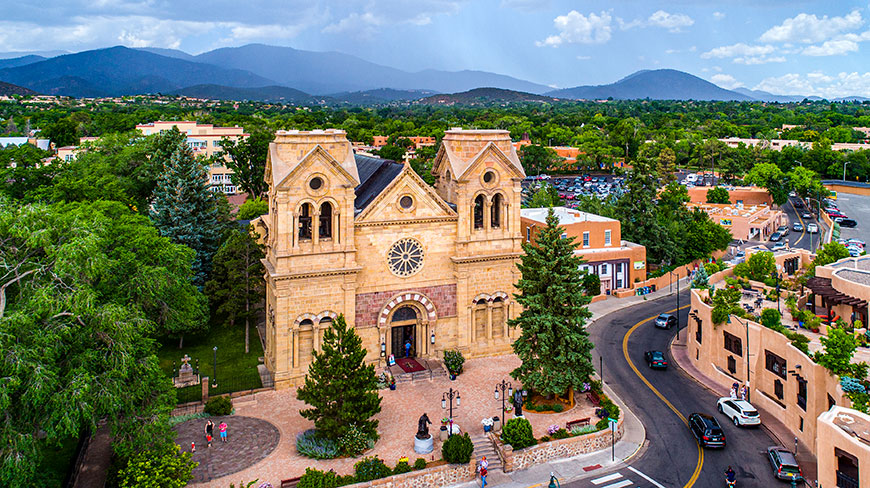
pixel 691 177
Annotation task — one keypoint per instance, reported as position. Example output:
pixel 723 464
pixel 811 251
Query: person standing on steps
pixel 481 467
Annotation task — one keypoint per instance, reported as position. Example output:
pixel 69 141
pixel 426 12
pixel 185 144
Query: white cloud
pixel 831 48
pixel 660 18
pixel 718 15
pixel 726 81
pixel 363 24
pixel 672 22
pixel 365 18
pixel 808 29
pixel 741 53
pixel 576 28
pixel 817 83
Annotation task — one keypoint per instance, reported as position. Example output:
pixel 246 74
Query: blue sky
pixel 787 47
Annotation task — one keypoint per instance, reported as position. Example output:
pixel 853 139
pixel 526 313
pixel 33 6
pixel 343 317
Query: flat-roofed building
pixel 617 263
pixel 738 195
pixel 746 222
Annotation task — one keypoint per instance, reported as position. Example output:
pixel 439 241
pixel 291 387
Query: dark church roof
pixel 374 175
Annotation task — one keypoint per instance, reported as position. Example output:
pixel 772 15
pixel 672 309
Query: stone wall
pixel 369 305
pixel 557 449
pixel 437 476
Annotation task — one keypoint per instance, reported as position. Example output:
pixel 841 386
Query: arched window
pixel 498 317
pixel 478 212
pixel 326 322
pixel 305 214
pixel 403 314
pixel 495 211
pixel 326 220
pixel 306 323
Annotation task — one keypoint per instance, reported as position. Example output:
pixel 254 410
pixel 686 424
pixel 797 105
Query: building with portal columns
pixel 405 262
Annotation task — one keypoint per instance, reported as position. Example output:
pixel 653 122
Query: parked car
pixel 812 228
pixel 797 227
pixel 856 241
pixel 779 246
pixel 798 204
pixel 740 412
pixel 783 230
pixel 806 215
pixel 848 223
pixel 785 466
pixel 656 359
pixel 776 236
pixel 666 321
pixel 706 430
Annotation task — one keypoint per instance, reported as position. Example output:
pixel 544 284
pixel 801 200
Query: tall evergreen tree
pixel 553 344
pixel 185 211
pixel 236 286
pixel 340 388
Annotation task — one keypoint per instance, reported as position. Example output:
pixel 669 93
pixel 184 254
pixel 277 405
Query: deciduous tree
pixel 247 159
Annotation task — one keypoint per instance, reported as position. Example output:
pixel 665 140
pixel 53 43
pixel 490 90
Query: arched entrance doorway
pixel 403 332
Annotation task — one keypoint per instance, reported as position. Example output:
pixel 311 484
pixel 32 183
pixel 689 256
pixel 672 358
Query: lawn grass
pixel 236 370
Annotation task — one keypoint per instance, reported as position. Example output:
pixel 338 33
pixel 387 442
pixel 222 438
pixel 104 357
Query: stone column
pixel 295 347
pixel 487 214
pixel 204 382
pixel 506 313
pixel 488 321
pixel 315 227
pixel 473 334
pixel 335 228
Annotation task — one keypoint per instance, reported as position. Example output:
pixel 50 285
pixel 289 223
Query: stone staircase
pixel 483 446
pixel 434 370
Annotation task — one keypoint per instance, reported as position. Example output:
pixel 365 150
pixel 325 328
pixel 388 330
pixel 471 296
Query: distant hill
pixel 19 54
pixel 333 72
pixel 275 94
pixel 770 97
pixel 853 98
pixel 380 96
pixel 121 71
pixel 10 89
pixel 484 96
pixel 660 84
pixel 23 60
pixel 169 53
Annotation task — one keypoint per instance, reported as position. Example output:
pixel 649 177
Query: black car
pixel 848 223
pixel 706 430
pixel 656 359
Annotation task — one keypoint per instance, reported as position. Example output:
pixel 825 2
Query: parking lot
pixel 571 188
pixel 856 207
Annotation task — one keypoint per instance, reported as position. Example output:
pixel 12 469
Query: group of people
pixel 735 388
pixel 209 431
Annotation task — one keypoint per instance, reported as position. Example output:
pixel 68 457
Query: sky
pixel 784 47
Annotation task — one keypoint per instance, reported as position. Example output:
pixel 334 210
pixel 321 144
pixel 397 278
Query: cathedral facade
pixel 404 262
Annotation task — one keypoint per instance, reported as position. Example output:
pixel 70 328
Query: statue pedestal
pixel 424 446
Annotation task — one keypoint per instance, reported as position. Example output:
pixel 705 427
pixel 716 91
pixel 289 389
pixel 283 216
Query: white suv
pixel 740 412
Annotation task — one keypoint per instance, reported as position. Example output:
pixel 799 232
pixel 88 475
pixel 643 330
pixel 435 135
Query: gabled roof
pixel 460 149
pixel 375 175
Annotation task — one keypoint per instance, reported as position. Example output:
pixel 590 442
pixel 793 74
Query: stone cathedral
pixel 403 261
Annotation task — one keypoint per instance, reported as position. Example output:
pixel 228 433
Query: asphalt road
pixel 671 456
pixel 802 239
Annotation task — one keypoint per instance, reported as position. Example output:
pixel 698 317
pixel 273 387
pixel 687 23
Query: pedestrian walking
pixel 481 467
pixel 209 428
pixel 223 430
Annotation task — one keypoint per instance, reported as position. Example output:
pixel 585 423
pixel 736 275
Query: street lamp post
pixel 504 385
pixel 746 326
pixel 844 169
pixel 214 368
pixel 450 395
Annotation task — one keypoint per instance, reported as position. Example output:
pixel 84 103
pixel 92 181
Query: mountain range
pixel 288 75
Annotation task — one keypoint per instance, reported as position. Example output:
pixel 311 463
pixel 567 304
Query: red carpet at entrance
pixel 409 365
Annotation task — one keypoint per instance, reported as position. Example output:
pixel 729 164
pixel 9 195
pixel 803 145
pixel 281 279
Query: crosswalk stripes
pixel 618 480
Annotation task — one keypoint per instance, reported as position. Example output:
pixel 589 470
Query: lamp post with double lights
pixel 214 368
pixel 449 396
pixel 503 386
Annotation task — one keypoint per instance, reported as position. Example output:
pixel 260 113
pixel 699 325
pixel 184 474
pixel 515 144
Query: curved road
pixel 671 455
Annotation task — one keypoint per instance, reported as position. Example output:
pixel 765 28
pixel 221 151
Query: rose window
pixel 405 257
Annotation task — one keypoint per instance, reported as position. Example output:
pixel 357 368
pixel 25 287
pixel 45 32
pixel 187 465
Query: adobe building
pixel 746 222
pixel 738 195
pixel 404 262
pixel 617 263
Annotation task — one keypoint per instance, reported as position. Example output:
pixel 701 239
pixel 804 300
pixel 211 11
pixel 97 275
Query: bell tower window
pixel 325 221
pixel 305 221
pixel 495 211
pixel 478 212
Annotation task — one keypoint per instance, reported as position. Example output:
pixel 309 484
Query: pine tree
pixel 184 210
pixel 553 345
pixel 236 286
pixel 701 279
pixel 340 388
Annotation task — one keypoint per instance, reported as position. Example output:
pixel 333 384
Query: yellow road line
pixel 803 226
pixel 670 405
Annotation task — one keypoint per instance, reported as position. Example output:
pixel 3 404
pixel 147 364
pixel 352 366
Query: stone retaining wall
pixel 557 449
pixel 434 477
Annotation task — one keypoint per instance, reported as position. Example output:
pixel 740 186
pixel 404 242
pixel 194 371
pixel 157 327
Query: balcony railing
pixel 846 481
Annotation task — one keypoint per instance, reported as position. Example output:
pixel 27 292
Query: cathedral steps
pixel 483 446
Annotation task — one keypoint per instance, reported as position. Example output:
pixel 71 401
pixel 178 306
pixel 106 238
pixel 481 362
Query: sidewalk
pixel 770 423
pixel 592 464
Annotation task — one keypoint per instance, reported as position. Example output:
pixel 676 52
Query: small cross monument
pixel 186 375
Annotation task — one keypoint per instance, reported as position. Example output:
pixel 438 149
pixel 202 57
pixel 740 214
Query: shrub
pixel 851 385
pixel 770 318
pixel 518 433
pixel 420 463
pixel 592 285
pixel 584 430
pixel 561 434
pixel 315 478
pixel 371 468
pixel 453 360
pixel 353 442
pixel 402 467
pixel 546 438
pixel 310 444
pixel 558 407
pixel 457 449
pixel 711 268
pixel 218 406
pixel 163 466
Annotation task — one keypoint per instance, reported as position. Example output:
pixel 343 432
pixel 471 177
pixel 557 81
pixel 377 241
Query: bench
pixel 291 482
pixel 577 423
pixel 593 397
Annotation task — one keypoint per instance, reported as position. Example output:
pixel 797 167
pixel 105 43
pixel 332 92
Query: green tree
pixel 395 153
pixel 553 345
pixel 838 348
pixel 186 211
pixel 718 195
pixel 636 209
pixel 726 301
pixel 667 166
pixel 701 280
pixel 162 467
pixel 236 287
pixel 252 208
pixel 64 132
pixel 81 292
pixel 770 177
pixel 545 196
pixel 340 388
pixel 422 163
pixel 247 158
pixel 761 265
pixel 538 159
pixel 592 284
pixel 830 253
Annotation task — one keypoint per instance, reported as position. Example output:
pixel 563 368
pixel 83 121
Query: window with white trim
pixel 586 239
pixel 607 237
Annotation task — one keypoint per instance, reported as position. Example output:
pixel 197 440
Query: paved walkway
pixel 97 459
pixel 680 356
pixel 249 440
